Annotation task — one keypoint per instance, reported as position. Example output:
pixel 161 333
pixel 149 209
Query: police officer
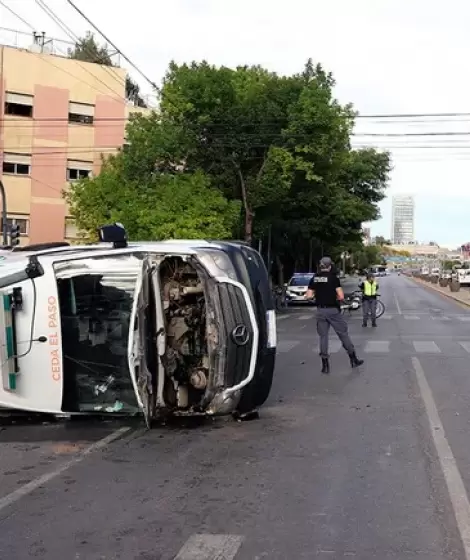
pixel 326 288
pixel 370 291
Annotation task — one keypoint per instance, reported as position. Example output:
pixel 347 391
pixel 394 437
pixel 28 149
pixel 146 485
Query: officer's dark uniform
pixel 324 284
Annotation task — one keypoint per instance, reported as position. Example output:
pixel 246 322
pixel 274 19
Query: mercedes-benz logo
pixel 240 335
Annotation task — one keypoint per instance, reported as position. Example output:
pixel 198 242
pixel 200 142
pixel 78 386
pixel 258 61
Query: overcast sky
pixel 388 56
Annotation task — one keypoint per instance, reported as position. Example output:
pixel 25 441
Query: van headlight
pixel 217 263
pixel 271 328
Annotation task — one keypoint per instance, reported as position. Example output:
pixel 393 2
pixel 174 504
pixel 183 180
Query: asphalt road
pixel 370 464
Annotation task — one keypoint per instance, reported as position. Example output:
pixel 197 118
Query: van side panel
pixel 39 383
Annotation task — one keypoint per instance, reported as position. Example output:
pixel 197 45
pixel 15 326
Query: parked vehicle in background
pixel 175 327
pixel 297 287
pixel 378 270
pixel 462 275
pixel 435 271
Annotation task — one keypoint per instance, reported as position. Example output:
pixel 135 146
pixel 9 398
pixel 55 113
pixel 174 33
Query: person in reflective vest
pixel 370 291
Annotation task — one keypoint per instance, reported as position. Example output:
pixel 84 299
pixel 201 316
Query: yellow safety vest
pixel 370 288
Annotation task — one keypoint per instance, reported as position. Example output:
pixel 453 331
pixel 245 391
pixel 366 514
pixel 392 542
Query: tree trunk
pixel 280 271
pixel 249 214
pixel 249 219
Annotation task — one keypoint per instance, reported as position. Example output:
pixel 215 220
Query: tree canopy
pixel 87 49
pixel 269 155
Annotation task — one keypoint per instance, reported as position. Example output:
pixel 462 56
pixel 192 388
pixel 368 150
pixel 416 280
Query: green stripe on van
pixel 12 381
pixel 6 302
pixel 9 340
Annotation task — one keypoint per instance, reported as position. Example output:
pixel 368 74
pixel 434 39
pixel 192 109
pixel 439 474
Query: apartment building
pixel 58 117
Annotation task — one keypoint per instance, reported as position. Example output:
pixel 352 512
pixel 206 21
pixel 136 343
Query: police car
pixel 181 327
pixel 297 287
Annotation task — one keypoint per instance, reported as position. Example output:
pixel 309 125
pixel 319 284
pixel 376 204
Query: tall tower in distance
pixel 403 218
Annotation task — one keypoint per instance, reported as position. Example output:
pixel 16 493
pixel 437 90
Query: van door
pixel 139 348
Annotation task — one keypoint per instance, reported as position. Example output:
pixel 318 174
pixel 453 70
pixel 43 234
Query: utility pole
pixel 269 249
pixel 4 214
pixel 310 255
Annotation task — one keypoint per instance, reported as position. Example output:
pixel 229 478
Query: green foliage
pixel 368 256
pixel 273 149
pixel 380 240
pixel 165 207
pixel 88 50
pixel 449 265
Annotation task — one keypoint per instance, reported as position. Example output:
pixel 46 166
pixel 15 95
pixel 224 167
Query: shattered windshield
pixel 96 297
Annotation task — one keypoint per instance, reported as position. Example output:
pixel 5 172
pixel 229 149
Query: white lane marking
pixel 464 318
pixel 465 346
pixel 334 346
pixel 286 345
pixel 426 347
pixel 377 347
pixel 453 478
pixel 281 317
pixel 412 317
pixel 26 489
pixel 396 303
pixel 210 547
pixel 305 317
pixel 442 318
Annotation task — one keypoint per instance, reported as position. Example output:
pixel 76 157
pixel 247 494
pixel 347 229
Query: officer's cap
pixel 326 262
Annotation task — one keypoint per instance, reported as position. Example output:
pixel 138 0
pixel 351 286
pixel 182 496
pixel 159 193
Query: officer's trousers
pixel 369 309
pixel 331 316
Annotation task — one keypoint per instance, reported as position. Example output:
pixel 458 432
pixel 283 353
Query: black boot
pixel 355 361
pixel 374 323
pixel 325 366
pixel 364 323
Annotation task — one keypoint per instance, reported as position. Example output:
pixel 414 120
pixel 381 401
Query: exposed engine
pixel 186 360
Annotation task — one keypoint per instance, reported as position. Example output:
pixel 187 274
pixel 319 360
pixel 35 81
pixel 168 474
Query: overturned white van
pixel 184 327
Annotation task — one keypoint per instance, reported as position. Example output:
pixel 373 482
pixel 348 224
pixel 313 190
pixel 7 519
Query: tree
pixel 380 240
pixel 166 206
pixel 88 50
pixel 277 148
pixel 247 121
pixel 368 256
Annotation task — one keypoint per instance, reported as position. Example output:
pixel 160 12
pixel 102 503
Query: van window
pixel 95 298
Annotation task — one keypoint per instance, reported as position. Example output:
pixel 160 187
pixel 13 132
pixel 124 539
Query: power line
pixel 55 18
pixel 136 68
pixel 410 115
pixel 48 61
pixel 16 15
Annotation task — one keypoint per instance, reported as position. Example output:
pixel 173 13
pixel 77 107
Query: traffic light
pixel 15 235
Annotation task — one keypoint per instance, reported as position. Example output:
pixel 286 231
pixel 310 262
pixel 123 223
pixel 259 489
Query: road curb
pixel 449 295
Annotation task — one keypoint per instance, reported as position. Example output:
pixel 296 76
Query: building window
pixel 71 230
pixel 77 170
pixel 18 105
pixel 16 221
pixel 81 113
pixel 16 164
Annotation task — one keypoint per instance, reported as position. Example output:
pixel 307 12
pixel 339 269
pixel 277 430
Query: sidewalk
pixel 462 297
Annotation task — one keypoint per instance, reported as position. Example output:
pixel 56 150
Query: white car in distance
pixel 297 287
